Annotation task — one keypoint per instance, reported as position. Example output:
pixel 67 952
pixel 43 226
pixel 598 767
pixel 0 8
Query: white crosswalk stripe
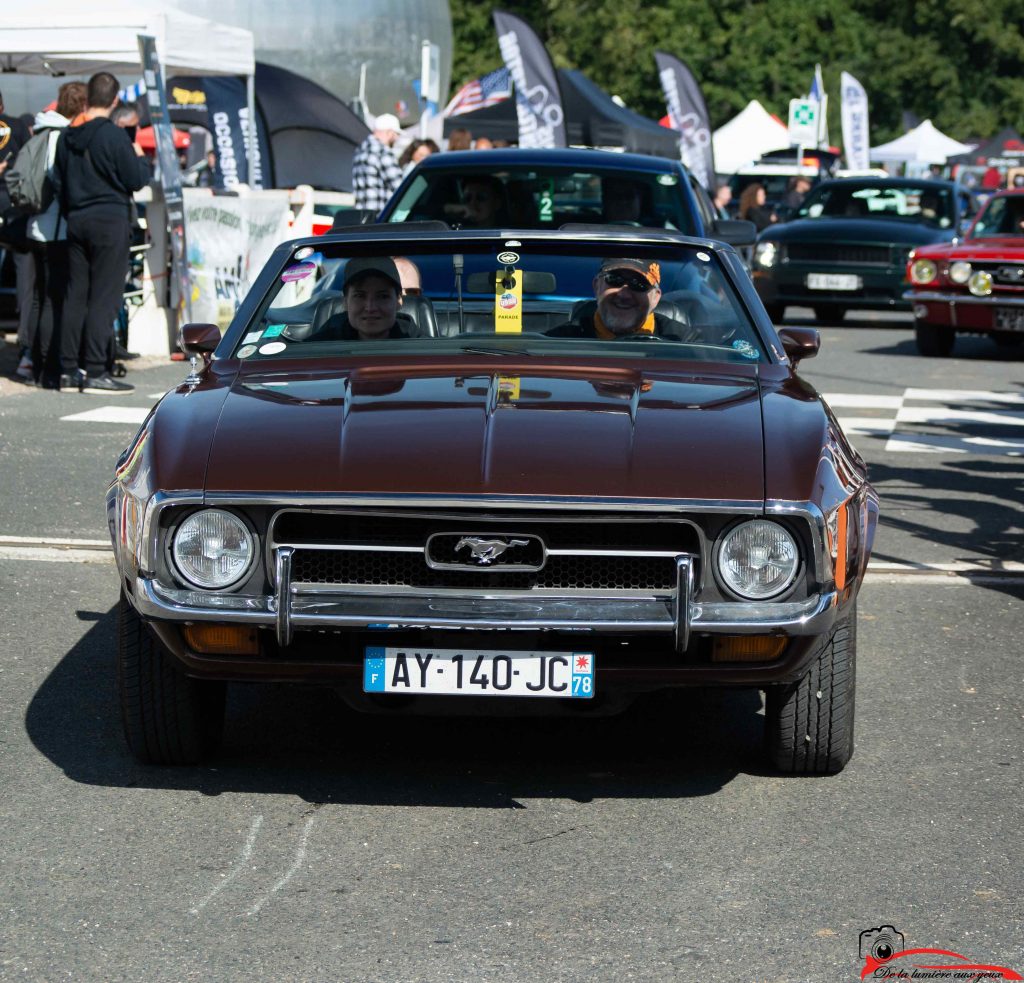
pixel 110 414
pixel 974 421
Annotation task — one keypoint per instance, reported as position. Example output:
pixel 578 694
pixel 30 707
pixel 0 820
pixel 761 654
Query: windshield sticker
pixel 667 179
pixel 304 253
pixel 298 272
pixel 508 259
pixel 246 350
pixel 252 337
pixel 742 346
pixel 273 331
pixel 272 348
pixel 704 257
pixel 513 244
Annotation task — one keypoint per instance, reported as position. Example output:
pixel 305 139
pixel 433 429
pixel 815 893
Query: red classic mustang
pixel 974 284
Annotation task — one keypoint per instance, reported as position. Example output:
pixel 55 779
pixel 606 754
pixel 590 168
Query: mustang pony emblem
pixel 485 551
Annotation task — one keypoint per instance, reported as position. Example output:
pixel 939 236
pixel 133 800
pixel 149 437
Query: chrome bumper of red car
pixel 940 297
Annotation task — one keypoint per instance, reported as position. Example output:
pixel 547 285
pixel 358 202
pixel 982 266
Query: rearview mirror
pixel 800 343
pixel 199 339
pixel 533 282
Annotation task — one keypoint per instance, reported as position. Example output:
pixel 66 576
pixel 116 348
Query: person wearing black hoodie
pixel 95 172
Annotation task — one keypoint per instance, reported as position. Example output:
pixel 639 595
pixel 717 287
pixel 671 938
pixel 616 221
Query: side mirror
pixel 734 231
pixel 199 339
pixel 800 343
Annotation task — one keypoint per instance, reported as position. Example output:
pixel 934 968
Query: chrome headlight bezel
pixel 923 271
pixel 188 575
pixel 960 271
pixel 726 575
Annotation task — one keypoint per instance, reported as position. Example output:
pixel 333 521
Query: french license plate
pixel 464 672
pixel 833 281
pixel 1010 318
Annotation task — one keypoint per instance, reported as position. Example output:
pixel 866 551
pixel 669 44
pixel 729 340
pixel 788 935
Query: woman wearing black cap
pixel 373 290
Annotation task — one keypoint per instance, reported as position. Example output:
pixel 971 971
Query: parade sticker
pixel 743 347
pixel 508 259
pixel 246 350
pixel 508 300
pixel 298 272
pixel 272 348
pixel 273 331
pixel 251 337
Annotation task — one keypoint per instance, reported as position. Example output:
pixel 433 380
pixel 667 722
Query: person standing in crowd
pixel 460 139
pixel 415 152
pixel 754 209
pixel 723 195
pixel 14 134
pixel 375 172
pixel 47 236
pixel 799 185
pixel 96 171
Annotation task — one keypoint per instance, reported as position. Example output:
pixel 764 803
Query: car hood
pixel 988 249
pixel 575 431
pixel 856 230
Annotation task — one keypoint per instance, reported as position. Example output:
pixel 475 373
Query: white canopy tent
pixel 746 136
pixel 922 145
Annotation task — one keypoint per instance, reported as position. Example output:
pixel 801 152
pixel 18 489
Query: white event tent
pixel 746 137
pixel 922 145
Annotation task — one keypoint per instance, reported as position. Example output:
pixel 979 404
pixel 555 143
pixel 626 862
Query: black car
pixel 849 242
pixel 548 189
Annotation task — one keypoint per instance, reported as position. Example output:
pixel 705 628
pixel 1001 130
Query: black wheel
pixel 169 718
pixel 935 340
pixel 1008 339
pixel 809 724
pixel 829 313
pixel 776 312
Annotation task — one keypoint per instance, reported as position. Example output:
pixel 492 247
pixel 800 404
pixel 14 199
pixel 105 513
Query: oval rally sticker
pixel 509 259
pixel 246 350
pixel 272 348
pixel 298 272
pixel 508 300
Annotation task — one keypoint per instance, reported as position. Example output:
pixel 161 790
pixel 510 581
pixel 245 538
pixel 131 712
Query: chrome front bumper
pixel 942 297
pixel 678 615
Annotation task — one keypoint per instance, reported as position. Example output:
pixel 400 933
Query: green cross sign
pixel 805 114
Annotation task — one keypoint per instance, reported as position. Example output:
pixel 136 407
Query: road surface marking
pixel 240 865
pixel 111 414
pixel 300 859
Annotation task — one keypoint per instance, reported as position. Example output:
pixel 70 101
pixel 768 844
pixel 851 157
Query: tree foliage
pixel 958 62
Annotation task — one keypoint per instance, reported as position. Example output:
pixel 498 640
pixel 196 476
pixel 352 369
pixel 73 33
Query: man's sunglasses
pixel 623 278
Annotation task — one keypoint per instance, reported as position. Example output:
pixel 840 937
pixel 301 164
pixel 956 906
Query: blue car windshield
pixel 552 297
pixel 532 197
pixel 848 198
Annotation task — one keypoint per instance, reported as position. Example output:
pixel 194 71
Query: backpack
pixel 28 180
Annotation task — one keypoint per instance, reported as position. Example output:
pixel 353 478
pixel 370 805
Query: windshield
pixel 1003 216
pixel 910 203
pixel 503 297
pixel 545 198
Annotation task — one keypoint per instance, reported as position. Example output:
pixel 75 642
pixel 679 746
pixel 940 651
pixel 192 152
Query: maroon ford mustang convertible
pixel 536 472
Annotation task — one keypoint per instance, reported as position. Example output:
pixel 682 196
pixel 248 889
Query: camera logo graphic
pixel 881 943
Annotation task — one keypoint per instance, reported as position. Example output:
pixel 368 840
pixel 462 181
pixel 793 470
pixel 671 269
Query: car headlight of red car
pixel 213 549
pixel 923 271
pixel 960 271
pixel 980 284
pixel 758 559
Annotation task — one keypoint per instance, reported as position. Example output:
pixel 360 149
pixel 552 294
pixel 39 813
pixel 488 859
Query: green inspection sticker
pixel 274 330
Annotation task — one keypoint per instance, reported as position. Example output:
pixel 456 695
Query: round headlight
pixel 213 549
pixel 764 255
pixel 923 271
pixel 758 559
pixel 980 284
pixel 960 272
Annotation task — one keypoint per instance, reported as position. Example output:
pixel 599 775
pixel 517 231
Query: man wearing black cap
pixel 627 291
pixel 373 290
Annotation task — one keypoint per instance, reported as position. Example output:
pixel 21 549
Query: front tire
pixel 934 340
pixel 169 718
pixel 809 724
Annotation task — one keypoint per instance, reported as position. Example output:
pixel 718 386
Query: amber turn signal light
pixel 222 639
pixel 747 648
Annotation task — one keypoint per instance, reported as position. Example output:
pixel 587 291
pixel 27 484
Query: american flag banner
pixel 481 92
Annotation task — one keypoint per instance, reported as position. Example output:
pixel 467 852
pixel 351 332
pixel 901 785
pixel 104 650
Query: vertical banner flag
pixel 817 94
pixel 538 100
pixel 689 115
pixel 854 105
pixel 170 173
pixel 228 114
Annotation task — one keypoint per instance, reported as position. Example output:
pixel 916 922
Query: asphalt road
pixel 321 845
